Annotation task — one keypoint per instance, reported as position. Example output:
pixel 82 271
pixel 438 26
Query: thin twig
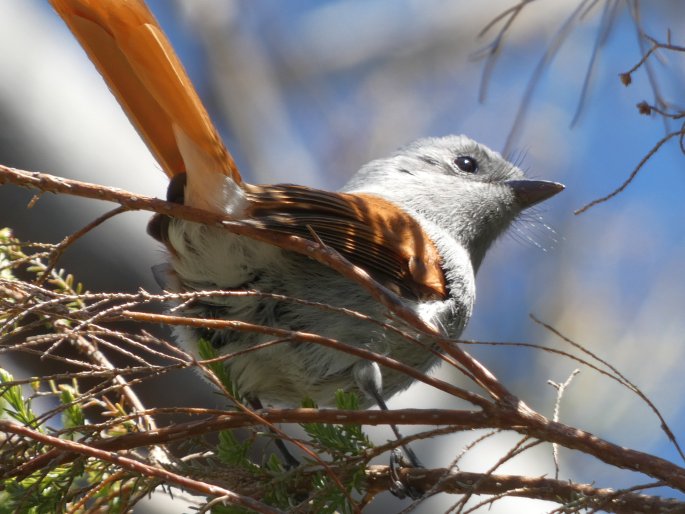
pixel 605 26
pixel 494 48
pixel 622 380
pixel 632 175
pixel 561 388
pixel 61 247
pixel 305 337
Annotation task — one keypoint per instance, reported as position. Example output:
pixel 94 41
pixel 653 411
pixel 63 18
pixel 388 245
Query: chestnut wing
pixel 369 231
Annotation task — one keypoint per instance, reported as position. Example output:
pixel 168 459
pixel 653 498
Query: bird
pixel 419 222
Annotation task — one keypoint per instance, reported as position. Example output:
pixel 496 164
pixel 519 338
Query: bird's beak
pixel 530 192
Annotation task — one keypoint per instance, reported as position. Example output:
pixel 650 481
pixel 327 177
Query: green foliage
pixel 346 444
pixel 8 245
pixel 12 401
pixel 19 259
pixel 231 509
pixel 310 482
pixel 38 493
pixel 233 452
pixel 339 440
pixel 13 255
pixel 208 352
pixel 72 415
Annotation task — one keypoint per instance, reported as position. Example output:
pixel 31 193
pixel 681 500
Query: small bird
pixel 419 222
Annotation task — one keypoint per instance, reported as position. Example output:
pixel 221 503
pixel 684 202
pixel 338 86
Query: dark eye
pixel 466 164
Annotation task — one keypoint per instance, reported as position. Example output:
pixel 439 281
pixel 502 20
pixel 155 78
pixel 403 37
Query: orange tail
pixel 132 53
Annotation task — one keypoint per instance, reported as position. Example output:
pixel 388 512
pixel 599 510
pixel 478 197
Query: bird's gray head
pixel 461 186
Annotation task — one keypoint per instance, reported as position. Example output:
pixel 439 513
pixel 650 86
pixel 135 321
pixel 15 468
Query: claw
pixel 399 488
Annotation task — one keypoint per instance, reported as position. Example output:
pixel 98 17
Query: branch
pixel 559 491
pixel 220 324
pixel 531 424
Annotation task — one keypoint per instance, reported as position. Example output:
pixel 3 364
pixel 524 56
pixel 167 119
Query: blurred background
pixel 306 91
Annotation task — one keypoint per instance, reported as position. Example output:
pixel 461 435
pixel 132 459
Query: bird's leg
pixel 369 379
pixel 414 461
pixel 288 459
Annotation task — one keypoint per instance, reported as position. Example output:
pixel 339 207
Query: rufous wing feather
pixel 137 61
pixel 369 231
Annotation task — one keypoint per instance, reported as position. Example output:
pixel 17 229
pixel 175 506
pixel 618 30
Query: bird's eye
pixel 466 164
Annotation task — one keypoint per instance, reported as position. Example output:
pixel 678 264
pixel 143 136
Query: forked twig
pixel 633 173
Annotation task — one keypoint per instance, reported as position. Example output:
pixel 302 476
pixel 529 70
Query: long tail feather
pixel 137 61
